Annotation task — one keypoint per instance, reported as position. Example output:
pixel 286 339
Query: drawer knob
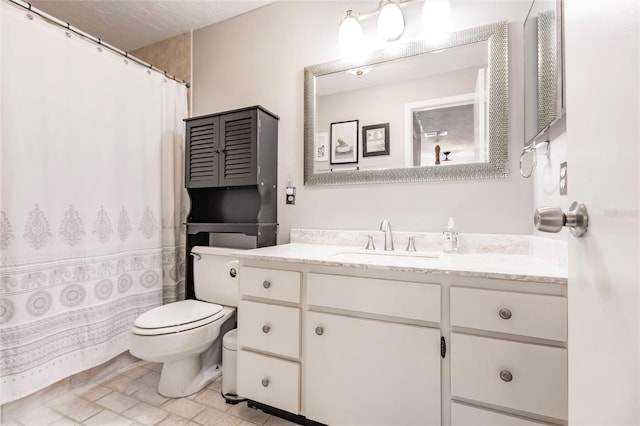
pixel 265 382
pixel 265 329
pixel 266 284
pixel 504 313
pixel 506 376
pixel 233 272
pixel 319 331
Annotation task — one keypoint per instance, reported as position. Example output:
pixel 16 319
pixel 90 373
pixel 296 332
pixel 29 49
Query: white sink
pixel 379 255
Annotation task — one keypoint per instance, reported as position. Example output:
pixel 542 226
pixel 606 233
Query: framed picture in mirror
pixel 344 142
pixel 375 140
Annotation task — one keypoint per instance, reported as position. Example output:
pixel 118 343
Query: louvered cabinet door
pixel 238 161
pixel 203 153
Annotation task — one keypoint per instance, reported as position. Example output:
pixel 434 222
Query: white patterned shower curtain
pixel 91 201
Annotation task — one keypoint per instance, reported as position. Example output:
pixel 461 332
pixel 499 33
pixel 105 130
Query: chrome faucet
pixel 385 226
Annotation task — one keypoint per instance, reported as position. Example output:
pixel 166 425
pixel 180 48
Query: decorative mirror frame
pixel 498 62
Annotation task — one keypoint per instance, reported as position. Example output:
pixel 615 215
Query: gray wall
pixel 259 57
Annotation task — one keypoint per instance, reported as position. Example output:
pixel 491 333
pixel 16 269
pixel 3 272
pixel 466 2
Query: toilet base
pixel 185 377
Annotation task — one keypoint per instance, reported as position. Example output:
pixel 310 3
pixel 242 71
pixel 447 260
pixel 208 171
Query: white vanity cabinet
pixel 500 360
pixel 363 371
pixel 269 337
pixel 342 345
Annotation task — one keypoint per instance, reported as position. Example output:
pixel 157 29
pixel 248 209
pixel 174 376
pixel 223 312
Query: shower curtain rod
pixel 96 40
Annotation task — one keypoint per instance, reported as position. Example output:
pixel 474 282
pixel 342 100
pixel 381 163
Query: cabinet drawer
pixel 526 314
pixel 269 380
pixel 270 284
pixel 538 374
pixel 385 297
pixel 465 415
pixel 269 328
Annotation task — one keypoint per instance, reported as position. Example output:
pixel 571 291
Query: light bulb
pixel 350 36
pixel 390 22
pixel 436 19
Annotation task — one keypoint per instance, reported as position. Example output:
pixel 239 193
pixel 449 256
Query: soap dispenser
pixel 450 237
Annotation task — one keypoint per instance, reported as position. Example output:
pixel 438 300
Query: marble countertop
pixel 520 267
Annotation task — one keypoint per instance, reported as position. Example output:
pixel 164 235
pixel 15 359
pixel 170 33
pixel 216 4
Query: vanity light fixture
pixel 390 21
pixel 436 19
pixel 350 37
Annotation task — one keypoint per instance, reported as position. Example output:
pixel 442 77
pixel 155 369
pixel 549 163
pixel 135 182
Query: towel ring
pixel 532 149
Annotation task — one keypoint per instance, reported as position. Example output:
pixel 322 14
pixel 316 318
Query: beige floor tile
pixel 78 409
pixel 212 399
pixel 155 366
pixel 136 372
pixel 116 401
pixel 37 415
pixel 150 395
pixel 145 414
pixel 250 414
pixel 92 392
pixel 124 384
pixel 107 418
pixel 216 385
pixel 211 416
pixel 151 378
pixel 65 421
pixel 183 407
pixel 174 420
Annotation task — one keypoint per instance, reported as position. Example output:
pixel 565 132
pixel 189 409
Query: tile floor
pixel 129 397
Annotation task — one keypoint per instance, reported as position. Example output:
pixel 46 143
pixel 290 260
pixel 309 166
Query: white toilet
pixel 186 336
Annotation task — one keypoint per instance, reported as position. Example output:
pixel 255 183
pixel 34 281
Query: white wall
pixel 259 57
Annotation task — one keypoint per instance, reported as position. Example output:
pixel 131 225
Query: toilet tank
pixel 214 275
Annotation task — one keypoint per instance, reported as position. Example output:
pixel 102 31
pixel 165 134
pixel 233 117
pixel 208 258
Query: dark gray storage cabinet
pixel 231 166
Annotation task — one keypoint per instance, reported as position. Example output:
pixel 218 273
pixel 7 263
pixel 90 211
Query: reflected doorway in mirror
pixel 344 142
pixel 375 140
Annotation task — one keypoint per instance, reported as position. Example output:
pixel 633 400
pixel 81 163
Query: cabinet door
pixel 203 153
pixel 238 133
pixel 367 372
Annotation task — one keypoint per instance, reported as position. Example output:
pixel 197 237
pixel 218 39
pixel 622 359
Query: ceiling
pixel 131 24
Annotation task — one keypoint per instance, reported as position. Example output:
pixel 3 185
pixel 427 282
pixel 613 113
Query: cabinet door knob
pixel 233 272
pixel 266 284
pixel 319 331
pixel 265 382
pixel 506 376
pixel 265 329
pixel 504 313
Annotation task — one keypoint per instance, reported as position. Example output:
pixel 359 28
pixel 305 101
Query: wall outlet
pixel 563 178
pixel 291 195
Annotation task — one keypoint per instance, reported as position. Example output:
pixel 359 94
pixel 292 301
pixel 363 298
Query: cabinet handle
pixel 265 329
pixel 265 382
pixel 319 331
pixel 506 376
pixel 504 313
pixel 266 284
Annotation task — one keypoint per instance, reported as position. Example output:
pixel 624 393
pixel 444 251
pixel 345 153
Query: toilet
pixel 186 336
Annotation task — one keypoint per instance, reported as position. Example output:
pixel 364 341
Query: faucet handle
pixel 370 244
pixel 410 245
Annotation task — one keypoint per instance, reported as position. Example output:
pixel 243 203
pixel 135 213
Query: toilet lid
pixel 175 314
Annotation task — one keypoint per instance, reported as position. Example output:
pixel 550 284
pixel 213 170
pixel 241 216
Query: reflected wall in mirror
pixel 452 95
pixel 543 68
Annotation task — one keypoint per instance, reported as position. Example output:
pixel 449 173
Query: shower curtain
pixel 91 200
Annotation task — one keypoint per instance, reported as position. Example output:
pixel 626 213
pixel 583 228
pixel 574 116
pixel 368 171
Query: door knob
pixel 552 219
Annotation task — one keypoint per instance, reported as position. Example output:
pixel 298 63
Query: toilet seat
pixel 177 317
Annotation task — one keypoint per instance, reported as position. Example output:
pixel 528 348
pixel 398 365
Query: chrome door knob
pixel 552 219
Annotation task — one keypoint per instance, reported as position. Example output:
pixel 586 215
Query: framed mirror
pixel 543 70
pixel 423 111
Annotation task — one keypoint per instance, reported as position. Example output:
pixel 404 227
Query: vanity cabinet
pixel 358 346
pixel 520 369
pixel 226 149
pixel 366 371
pixel 269 321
